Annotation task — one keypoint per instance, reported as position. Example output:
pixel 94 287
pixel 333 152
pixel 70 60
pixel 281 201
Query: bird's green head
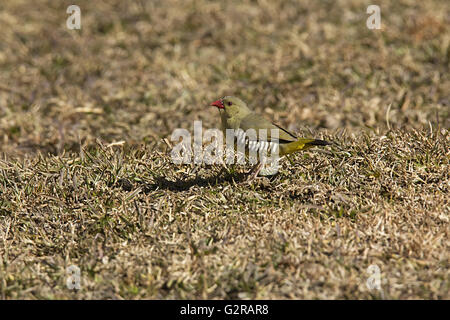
pixel 231 105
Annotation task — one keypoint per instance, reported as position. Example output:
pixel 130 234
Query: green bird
pixel 236 115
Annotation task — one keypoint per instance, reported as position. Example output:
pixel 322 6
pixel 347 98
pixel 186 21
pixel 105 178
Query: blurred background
pixel 138 69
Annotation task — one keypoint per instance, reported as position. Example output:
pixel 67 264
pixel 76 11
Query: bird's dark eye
pixel 229 103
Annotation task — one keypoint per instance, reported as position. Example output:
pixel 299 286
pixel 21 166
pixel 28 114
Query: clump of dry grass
pixel 86 180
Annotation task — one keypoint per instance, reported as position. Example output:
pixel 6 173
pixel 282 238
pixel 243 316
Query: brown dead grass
pixel 139 226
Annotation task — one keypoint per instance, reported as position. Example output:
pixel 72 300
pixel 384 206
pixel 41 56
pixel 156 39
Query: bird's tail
pixel 303 144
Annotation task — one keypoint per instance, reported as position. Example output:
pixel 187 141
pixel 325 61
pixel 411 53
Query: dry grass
pixel 139 226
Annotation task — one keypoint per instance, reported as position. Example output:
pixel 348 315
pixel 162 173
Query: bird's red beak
pixel 218 104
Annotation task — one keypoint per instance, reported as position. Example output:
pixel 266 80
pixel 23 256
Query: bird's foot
pixel 253 174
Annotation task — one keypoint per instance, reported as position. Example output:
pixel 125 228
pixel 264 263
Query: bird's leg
pixel 254 171
pixel 292 163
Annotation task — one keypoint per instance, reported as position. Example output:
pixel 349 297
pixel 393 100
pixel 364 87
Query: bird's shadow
pixel 162 183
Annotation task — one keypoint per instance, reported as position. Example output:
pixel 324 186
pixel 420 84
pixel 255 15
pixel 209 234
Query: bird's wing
pixel 256 122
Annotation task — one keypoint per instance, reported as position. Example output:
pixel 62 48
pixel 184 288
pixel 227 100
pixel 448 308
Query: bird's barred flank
pixel 255 145
pixel 241 146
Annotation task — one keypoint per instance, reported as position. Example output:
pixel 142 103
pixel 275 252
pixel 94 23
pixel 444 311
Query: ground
pixel 86 177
